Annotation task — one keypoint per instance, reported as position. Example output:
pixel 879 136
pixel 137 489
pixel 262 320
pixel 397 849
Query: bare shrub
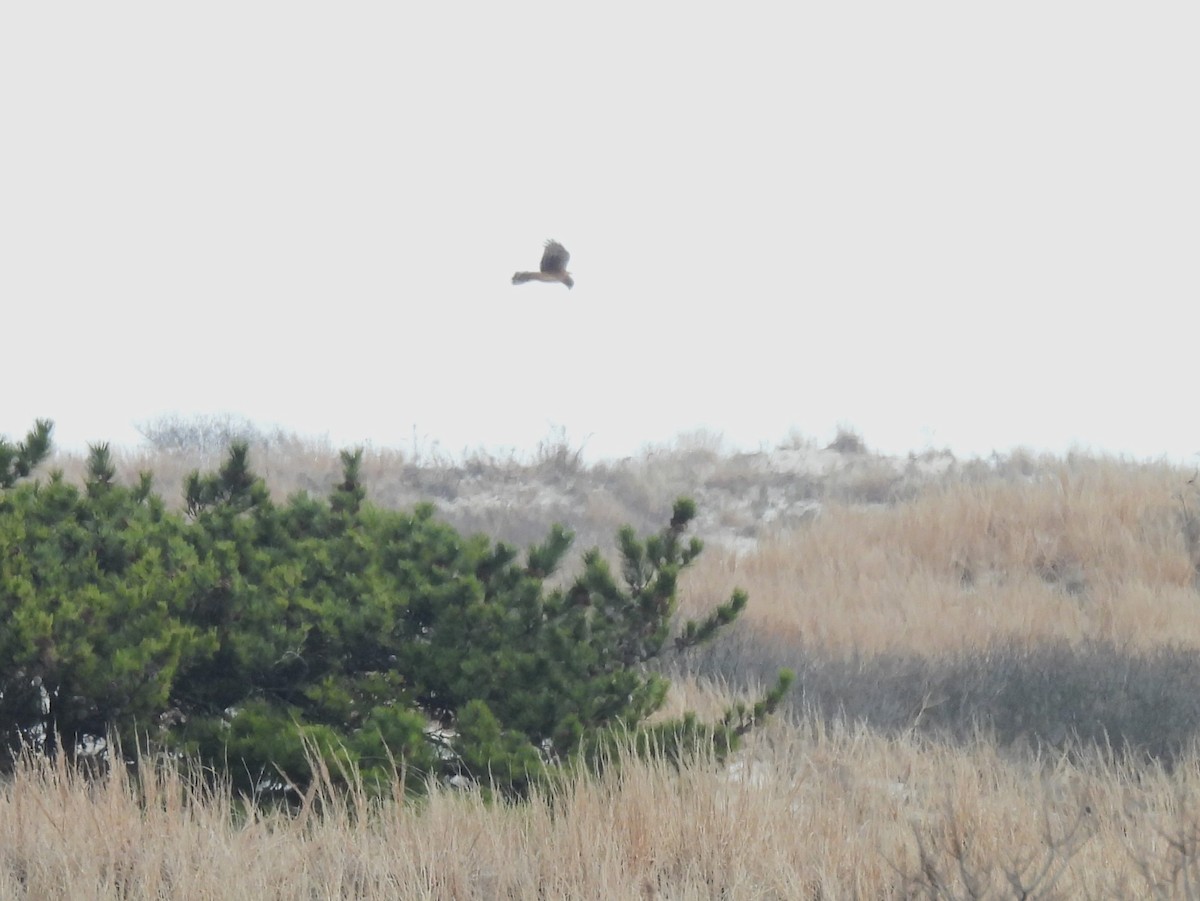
pixel 848 441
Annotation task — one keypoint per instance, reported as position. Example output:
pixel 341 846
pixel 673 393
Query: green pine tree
pixel 255 634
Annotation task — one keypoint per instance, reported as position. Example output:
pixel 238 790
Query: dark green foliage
pixel 18 460
pixel 94 589
pixel 233 488
pixel 253 634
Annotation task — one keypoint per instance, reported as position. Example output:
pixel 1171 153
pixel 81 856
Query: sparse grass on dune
pixel 1093 550
pixel 511 497
pixel 996 667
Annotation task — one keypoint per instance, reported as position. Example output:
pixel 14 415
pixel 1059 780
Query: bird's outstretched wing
pixel 554 267
pixel 555 258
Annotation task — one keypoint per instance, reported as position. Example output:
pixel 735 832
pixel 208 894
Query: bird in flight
pixel 554 267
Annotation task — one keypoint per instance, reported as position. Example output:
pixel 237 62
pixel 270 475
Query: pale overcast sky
pixel 952 224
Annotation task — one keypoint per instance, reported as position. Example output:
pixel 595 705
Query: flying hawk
pixel 554 267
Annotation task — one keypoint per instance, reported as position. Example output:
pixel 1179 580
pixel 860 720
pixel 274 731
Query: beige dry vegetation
pixel 811 812
pixel 852 563
pixel 1085 549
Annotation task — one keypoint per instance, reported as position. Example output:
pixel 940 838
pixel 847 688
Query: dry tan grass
pixel 1097 550
pixel 1019 549
pixel 807 812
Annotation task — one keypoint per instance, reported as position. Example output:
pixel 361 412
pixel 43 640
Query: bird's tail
pixel 522 277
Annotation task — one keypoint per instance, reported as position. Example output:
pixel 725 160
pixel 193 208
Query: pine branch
pixel 17 462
